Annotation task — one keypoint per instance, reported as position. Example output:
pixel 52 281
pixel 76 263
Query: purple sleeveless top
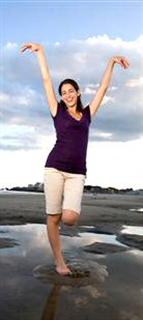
pixel 69 151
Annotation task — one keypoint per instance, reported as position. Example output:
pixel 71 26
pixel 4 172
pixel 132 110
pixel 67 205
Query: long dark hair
pixel 76 87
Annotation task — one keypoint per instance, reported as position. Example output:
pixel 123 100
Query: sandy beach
pixel 109 261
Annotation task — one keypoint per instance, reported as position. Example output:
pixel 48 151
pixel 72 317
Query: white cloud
pixel 90 91
pixel 113 88
pixel 18 137
pixel 24 97
pixel 11 46
pixel 57 44
pixel 119 43
pixel 4 98
pixel 91 88
pixel 11 100
pixel 98 133
pixel 80 57
pixel 135 82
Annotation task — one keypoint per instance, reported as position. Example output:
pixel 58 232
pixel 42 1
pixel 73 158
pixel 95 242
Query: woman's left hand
pixel 121 60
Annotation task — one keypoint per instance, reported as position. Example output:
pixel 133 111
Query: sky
pixel 79 37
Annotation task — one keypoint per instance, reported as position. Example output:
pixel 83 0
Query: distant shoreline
pixel 39 188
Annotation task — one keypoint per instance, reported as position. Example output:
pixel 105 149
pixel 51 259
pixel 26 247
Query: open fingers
pixel 25 47
pixel 124 62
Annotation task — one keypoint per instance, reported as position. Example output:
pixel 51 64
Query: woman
pixel 65 168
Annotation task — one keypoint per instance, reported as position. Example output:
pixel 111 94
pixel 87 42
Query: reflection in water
pixel 106 238
pixel 51 304
pixel 86 294
pixel 33 237
pixel 82 299
pixel 133 230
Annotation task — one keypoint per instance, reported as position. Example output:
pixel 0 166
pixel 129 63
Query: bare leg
pixel 53 223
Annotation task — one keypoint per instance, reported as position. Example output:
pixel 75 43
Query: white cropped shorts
pixel 62 190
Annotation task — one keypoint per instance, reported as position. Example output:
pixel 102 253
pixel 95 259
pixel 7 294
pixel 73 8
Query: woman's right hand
pixel 33 47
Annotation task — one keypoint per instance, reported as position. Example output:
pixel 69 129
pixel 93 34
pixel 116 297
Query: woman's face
pixel 69 95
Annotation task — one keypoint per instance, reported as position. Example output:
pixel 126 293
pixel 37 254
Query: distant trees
pixel 39 187
pixel 110 190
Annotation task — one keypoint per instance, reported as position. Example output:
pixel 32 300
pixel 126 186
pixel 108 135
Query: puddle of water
pixel 8 192
pixel 34 237
pixel 93 229
pixel 18 286
pixel 110 239
pixel 138 209
pixel 30 237
pixel 133 230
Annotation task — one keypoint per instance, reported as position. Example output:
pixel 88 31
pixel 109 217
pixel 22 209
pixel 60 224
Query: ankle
pixel 60 263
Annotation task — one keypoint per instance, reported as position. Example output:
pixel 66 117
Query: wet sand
pixel 101 209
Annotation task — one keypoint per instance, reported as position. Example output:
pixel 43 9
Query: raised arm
pixel 95 103
pixel 50 92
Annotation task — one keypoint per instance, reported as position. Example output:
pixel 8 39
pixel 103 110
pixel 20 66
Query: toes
pixel 63 272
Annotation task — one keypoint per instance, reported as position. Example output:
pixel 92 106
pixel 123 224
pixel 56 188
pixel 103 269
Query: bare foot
pixel 63 270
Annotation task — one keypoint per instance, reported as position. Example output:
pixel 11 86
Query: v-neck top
pixel 70 149
pixel 74 117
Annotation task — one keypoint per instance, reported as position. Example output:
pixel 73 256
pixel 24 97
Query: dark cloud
pixel 19 142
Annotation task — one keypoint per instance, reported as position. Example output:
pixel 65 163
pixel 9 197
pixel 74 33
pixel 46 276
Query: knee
pixel 53 219
pixel 70 217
